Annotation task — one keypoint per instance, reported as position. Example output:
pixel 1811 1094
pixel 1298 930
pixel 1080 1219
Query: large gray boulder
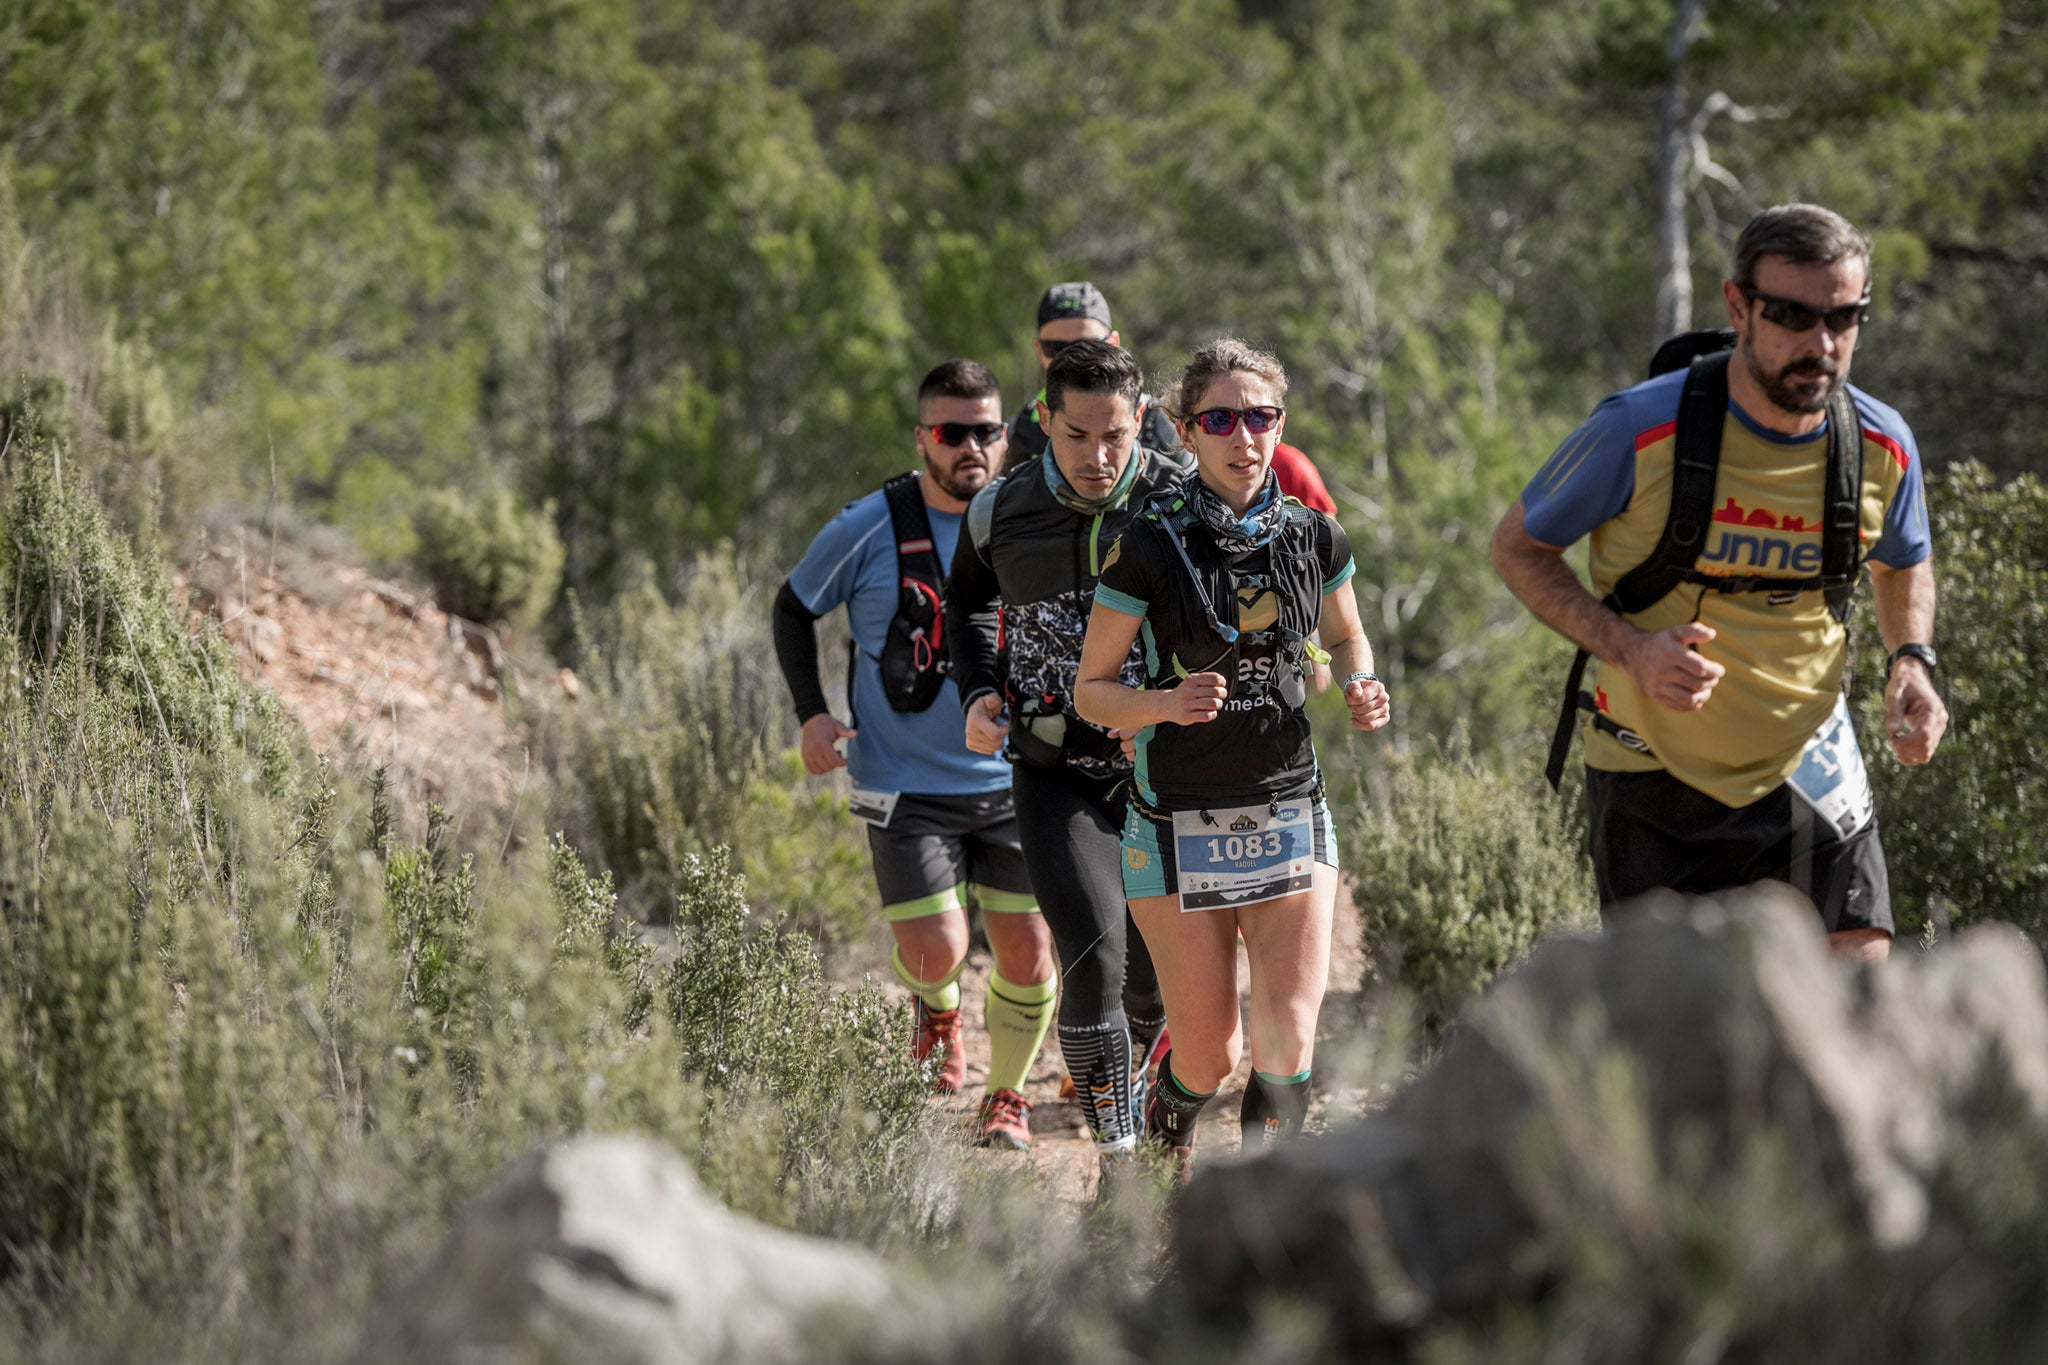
pixel 606 1249
pixel 1680 1048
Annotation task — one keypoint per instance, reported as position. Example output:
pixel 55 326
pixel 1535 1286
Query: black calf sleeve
pixel 1273 1111
pixel 1098 1057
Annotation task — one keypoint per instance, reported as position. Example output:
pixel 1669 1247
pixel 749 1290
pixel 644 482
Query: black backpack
pixel 1702 409
pixel 913 658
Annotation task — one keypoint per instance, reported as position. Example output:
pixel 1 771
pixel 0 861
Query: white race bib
pixel 1243 855
pixel 1831 775
pixel 874 807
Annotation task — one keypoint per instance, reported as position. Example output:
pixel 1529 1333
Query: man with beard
pixel 1719 750
pixel 941 823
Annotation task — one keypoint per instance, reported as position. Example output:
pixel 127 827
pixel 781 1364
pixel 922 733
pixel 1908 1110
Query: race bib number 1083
pixel 1243 855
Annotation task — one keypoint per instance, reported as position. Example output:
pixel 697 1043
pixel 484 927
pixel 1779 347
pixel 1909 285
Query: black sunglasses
pixel 983 434
pixel 1795 316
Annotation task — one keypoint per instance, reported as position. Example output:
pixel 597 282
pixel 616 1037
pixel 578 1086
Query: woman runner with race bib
pixel 1227 582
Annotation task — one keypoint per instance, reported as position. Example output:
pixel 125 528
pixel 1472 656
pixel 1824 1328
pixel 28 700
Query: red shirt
pixel 1299 480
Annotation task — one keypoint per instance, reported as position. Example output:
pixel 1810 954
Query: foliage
pixel 1966 836
pixel 260 1043
pixel 488 558
pixel 683 742
pixel 1459 871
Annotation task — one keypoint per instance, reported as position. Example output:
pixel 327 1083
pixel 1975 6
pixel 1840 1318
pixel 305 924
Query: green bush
pixel 1459 871
pixel 684 742
pixel 1970 829
pixel 488 558
pixel 259 1044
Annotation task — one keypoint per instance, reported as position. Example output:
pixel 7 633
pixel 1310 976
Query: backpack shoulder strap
pixel 1841 537
pixel 915 553
pixel 981 517
pixel 1702 410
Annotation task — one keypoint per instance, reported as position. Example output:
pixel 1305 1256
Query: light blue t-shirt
pixel 852 564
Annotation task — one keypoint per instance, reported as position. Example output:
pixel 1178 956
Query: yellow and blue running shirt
pixel 1611 480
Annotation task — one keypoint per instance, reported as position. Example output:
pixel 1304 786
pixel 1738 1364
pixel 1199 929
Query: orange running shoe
pixel 1005 1121
pixel 940 1029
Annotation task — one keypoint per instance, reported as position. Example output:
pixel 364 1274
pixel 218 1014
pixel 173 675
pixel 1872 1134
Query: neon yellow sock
pixel 938 996
pixel 1018 1017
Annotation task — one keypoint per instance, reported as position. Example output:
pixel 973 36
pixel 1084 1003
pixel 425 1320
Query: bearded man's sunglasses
pixel 983 434
pixel 1223 421
pixel 1795 316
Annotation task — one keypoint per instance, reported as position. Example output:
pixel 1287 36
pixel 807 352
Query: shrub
pixel 1459 871
pixel 259 1044
pixel 1970 829
pixel 488 558
pixel 684 742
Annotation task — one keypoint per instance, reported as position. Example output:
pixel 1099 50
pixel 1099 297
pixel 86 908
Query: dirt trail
pixel 377 674
pixel 1061 1148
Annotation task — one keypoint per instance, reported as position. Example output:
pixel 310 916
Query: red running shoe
pixel 1005 1121
pixel 940 1029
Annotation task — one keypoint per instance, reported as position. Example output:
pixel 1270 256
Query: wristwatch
pixel 1924 653
pixel 1360 676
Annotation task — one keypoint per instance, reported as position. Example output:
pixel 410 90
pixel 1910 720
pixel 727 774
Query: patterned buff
pixel 1237 535
pixel 1089 507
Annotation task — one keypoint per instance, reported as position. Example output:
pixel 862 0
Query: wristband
pixel 1924 653
pixel 1360 676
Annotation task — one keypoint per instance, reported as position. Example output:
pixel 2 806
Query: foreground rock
pixel 608 1250
pixel 1698 1050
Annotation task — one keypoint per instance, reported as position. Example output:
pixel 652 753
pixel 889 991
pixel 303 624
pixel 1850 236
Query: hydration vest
pixel 1702 411
pixel 913 659
pixel 1197 630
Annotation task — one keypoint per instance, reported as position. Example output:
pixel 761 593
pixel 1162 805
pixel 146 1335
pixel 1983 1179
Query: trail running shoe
pixel 1005 1121
pixel 941 1029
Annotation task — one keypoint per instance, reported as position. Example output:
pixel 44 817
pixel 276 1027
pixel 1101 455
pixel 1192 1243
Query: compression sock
pixel 1098 1056
pixel 1275 1107
pixel 1018 1017
pixel 1175 1109
pixel 938 996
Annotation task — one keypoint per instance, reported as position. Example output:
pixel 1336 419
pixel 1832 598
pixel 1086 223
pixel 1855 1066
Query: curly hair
pixel 1225 355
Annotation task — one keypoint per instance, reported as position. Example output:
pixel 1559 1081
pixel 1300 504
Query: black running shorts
pixel 934 846
pixel 1651 830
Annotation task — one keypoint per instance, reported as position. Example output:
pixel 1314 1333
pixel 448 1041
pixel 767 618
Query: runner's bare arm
pixel 1351 652
pixel 1663 663
pixel 1915 719
pixel 1100 698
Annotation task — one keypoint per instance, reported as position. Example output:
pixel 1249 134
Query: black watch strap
pixel 1924 653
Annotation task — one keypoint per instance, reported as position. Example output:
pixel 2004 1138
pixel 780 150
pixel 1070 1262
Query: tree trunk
pixel 1674 143
pixel 545 118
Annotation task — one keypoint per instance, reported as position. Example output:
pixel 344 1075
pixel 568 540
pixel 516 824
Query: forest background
pixel 592 311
